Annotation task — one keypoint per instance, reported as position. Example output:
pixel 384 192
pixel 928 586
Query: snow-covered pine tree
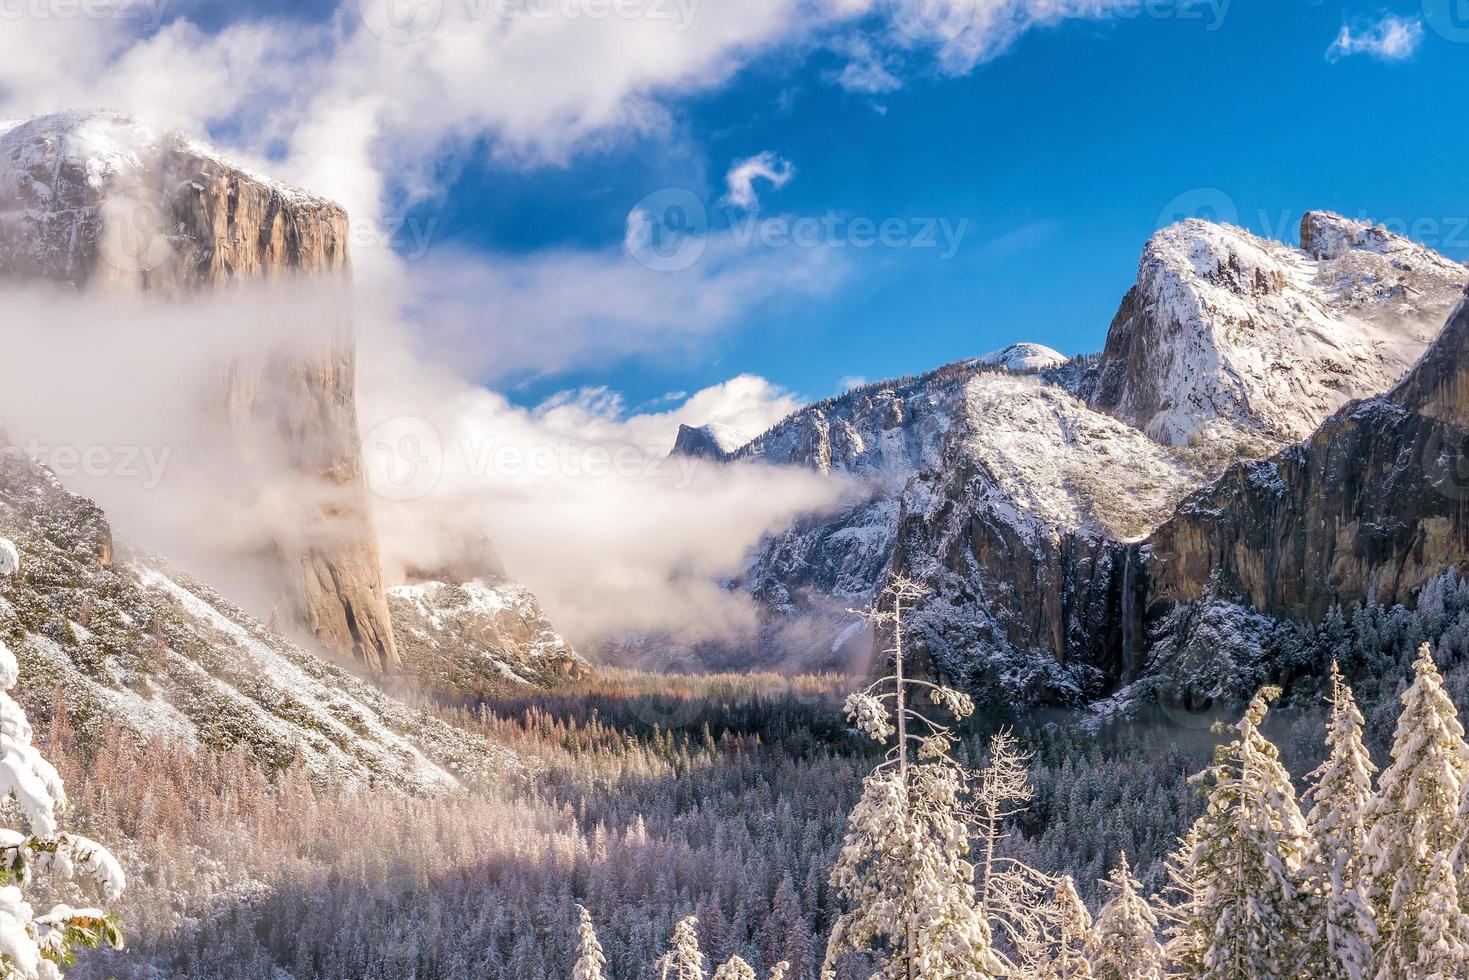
pixel 1341 789
pixel 1442 952
pixel 1187 944
pixel 903 870
pixel 591 960
pixel 1124 941
pixel 780 971
pixel 1066 958
pixel 684 960
pixel 1413 826
pixel 735 968
pixel 35 947
pixel 1246 911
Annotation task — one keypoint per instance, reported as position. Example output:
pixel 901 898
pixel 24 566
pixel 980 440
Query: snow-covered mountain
pixel 1019 488
pixel 101 202
pixel 120 636
pixel 1024 357
pixel 1233 338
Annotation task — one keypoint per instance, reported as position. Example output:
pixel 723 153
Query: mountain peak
pixel 714 440
pixel 1202 343
pixel 101 148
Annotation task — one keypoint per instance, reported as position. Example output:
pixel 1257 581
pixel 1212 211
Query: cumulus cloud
pixel 740 181
pixel 1392 38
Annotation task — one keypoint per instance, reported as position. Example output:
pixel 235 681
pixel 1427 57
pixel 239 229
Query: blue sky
pixel 1062 155
pixel 1056 135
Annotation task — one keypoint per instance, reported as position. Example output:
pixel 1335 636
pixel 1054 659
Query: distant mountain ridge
pixel 1026 498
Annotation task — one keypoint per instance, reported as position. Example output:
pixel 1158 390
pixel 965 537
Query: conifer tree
pixel 684 960
pixel 1066 957
pixel 592 960
pixel 1343 933
pixel 1244 914
pixel 1413 827
pixel 735 968
pixel 781 971
pixel 903 868
pixel 1124 942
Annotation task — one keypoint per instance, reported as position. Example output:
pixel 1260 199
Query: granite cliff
pixel 96 201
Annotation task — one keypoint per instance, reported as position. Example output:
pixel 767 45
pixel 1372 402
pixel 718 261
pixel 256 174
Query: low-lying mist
pixel 187 422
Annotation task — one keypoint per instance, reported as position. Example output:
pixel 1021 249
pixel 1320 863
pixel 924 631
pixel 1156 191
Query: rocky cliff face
pixel 1374 504
pixel 1037 502
pixel 1229 338
pixel 98 202
pixel 711 441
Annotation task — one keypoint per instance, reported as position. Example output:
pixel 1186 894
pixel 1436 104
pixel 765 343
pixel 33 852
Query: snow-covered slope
pixel 478 637
pixel 126 638
pixel 1231 337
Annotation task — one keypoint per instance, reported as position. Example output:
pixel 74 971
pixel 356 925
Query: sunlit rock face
pixel 98 202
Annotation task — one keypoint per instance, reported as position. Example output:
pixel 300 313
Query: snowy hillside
pixel 1232 337
pixel 479 637
pixel 124 637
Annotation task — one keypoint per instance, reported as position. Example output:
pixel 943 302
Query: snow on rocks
pixel 478 635
pixel 9 557
pixel 1053 465
pixel 1230 336
pixel 713 440
pixel 1024 357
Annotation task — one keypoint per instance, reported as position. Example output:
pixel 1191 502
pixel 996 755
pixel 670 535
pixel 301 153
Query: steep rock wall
pixel 97 201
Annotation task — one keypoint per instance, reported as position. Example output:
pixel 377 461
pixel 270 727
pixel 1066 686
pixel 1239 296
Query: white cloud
pixel 498 316
pixel 1392 38
pixel 740 181
pixel 867 71
pixel 579 497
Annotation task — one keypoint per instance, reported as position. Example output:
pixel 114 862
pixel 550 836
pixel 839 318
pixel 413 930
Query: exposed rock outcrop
pixel 478 638
pixel 97 201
